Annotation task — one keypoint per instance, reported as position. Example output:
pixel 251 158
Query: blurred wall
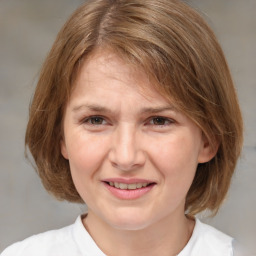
pixel 27 30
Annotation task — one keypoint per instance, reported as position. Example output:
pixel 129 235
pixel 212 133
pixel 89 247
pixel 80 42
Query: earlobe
pixel 63 149
pixel 208 150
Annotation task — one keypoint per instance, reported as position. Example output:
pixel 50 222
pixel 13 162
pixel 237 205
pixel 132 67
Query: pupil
pixel 96 120
pixel 159 121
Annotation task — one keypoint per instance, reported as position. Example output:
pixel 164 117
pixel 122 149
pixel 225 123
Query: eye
pixel 95 120
pixel 160 121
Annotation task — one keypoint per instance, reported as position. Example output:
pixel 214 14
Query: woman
pixel 135 114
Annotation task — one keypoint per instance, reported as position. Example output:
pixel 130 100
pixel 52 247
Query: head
pixel 170 43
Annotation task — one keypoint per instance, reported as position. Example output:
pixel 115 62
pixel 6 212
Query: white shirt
pixel 74 240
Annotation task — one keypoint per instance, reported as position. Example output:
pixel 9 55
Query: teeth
pixel 132 186
pixel 123 186
pixel 139 185
pixel 128 186
pixel 144 184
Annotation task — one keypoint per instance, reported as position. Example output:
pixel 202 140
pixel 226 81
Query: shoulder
pixel 215 239
pixel 207 240
pixel 54 242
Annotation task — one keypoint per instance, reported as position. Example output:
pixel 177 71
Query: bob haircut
pixel 177 50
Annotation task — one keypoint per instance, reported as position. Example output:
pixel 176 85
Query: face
pixel 132 155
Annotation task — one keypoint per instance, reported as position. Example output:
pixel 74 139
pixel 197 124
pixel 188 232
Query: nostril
pixel 126 158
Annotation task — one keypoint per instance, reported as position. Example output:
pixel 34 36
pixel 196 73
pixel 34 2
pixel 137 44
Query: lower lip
pixel 129 194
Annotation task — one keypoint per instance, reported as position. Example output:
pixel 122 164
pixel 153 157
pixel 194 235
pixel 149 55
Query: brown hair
pixel 179 52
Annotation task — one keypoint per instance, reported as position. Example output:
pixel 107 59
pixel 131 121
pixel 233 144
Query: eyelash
pixel 89 120
pixel 166 121
pixel 151 121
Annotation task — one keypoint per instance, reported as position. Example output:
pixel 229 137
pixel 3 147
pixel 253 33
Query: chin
pixel 126 220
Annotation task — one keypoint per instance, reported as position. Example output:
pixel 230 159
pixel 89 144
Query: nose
pixel 126 152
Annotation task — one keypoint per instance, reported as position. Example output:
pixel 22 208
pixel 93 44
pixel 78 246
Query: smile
pixel 128 190
pixel 131 186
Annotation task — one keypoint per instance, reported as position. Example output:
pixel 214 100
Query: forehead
pixel 110 65
pixel 102 70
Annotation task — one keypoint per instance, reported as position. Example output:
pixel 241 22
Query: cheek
pixel 85 154
pixel 85 158
pixel 176 160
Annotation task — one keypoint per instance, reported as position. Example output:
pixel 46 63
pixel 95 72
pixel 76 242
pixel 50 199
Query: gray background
pixel 27 30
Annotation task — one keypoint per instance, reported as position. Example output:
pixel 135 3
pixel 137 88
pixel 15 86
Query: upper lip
pixel 128 180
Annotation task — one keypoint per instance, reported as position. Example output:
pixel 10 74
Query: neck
pixel 166 237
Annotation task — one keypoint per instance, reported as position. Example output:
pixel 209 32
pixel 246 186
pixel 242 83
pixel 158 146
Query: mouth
pixel 130 186
pixel 128 189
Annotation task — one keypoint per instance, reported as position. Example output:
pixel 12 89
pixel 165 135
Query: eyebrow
pixel 154 110
pixel 93 107
pixel 98 108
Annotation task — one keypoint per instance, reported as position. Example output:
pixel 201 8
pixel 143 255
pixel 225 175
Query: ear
pixel 208 150
pixel 63 149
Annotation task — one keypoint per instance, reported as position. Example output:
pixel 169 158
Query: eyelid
pixel 166 119
pixel 149 121
pixel 87 120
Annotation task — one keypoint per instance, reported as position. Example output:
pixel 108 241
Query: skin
pixel 117 126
